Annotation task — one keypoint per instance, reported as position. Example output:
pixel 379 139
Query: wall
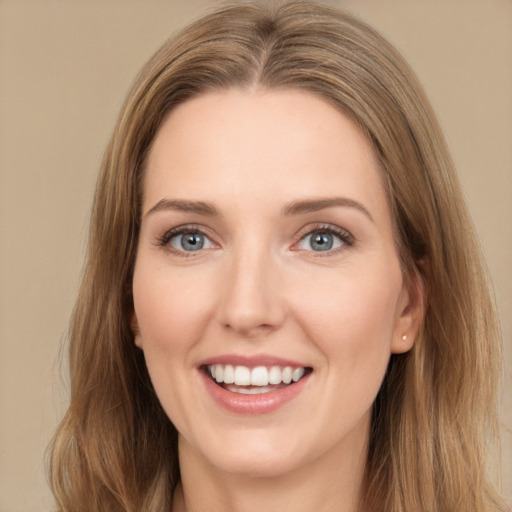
pixel 66 67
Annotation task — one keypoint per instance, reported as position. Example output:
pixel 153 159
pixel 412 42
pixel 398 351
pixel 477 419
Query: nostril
pixel 251 302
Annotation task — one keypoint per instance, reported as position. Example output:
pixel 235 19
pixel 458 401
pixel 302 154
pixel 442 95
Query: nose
pixel 252 303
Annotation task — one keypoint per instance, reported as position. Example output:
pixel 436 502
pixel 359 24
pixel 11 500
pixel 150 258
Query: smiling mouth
pixel 257 380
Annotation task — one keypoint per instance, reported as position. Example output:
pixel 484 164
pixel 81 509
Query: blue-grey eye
pixel 320 240
pixel 190 242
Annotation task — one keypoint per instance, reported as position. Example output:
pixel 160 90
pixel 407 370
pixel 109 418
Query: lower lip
pixel 253 404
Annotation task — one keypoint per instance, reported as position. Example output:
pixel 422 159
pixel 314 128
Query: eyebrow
pixel 290 209
pixel 315 205
pixel 199 207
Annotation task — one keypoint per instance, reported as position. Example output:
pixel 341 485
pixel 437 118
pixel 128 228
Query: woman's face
pixel 266 252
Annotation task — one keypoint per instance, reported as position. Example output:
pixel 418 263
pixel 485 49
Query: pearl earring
pixel 404 337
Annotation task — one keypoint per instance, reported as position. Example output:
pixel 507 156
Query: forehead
pixel 264 145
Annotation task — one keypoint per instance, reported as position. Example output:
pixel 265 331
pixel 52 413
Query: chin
pixel 257 466
pixel 246 455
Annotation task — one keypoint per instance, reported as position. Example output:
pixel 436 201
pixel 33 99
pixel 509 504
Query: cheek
pixel 171 310
pixel 353 326
pixel 172 313
pixel 351 308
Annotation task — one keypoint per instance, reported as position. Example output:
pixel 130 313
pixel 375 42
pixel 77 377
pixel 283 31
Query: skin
pixel 258 287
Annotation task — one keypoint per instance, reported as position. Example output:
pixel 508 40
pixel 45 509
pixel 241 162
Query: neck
pixel 332 482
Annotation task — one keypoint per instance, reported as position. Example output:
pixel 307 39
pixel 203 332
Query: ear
pixel 410 313
pixel 134 324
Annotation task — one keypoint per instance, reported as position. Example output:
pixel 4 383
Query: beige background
pixel 65 68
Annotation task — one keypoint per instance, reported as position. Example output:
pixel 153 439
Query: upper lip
pixel 252 361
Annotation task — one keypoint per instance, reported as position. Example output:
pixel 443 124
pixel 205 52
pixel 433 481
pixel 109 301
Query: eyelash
pixel 346 238
pixel 164 240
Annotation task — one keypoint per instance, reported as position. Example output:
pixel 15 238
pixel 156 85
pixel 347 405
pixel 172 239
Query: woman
pixel 283 303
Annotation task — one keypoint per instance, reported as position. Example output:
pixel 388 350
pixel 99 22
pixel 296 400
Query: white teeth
pixel 250 391
pixel 297 374
pixel 275 375
pixel 219 373
pixel 287 375
pixel 229 374
pixel 242 376
pixel 260 376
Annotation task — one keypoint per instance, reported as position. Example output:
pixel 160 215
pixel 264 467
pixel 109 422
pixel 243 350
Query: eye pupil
pixel 321 241
pixel 192 242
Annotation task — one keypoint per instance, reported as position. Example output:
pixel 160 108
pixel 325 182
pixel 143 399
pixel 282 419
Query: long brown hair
pixel 435 416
